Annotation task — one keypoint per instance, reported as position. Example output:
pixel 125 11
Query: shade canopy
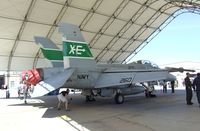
pixel 114 29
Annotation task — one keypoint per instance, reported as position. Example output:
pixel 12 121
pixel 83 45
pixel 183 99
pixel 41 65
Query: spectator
pixel 188 85
pixel 172 86
pixel 196 86
pixel 164 87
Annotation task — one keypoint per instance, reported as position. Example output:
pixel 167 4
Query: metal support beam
pixel 90 13
pixel 123 30
pixel 109 21
pixel 140 31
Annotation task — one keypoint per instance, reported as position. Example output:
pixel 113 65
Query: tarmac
pixel 166 112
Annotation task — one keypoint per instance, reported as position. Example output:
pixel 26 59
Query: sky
pixel 178 42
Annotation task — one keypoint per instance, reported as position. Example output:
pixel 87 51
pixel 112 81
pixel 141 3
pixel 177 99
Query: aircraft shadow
pixel 103 109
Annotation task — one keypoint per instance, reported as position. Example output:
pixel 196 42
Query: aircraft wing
pixel 52 83
pixel 180 69
pixel 120 78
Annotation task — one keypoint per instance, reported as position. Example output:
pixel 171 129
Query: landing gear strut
pixel 148 91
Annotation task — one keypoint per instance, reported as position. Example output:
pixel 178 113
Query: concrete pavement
pixel 163 113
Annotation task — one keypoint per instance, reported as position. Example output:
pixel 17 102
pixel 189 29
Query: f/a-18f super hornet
pixel 74 67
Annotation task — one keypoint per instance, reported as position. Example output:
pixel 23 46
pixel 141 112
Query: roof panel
pixel 148 14
pixel 14 8
pixel 133 46
pixel 129 11
pixel 102 42
pixel 6 46
pixel 160 20
pixel 88 36
pixel 96 22
pixel 56 37
pixel 122 56
pixel 158 4
pixel 83 4
pixel 140 1
pixel 45 12
pixel 9 28
pixel 131 31
pixel 115 27
pixel 74 16
pixel 4 63
pixel 119 44
pixel 21 63
pixel 171 10
pixel 26 49
pixel 33 29
pixel 95 52
pixel 107 7
pixel 108 55
pixel 146 33
pixel 60 1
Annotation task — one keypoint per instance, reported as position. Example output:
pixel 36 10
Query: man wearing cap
pixel 196 86
pixel 188 85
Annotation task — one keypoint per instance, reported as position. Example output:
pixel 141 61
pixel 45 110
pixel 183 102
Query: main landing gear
pixel 90 98
pixel 119 98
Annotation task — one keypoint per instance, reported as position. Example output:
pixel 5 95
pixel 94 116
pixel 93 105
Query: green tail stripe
pixel 76 49
pixel 52 54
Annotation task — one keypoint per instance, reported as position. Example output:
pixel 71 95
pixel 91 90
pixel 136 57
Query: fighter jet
pixel 74 67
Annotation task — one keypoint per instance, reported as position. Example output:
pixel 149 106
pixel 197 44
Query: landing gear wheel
pixel 90 98
pixel 149 94
pixel 119 98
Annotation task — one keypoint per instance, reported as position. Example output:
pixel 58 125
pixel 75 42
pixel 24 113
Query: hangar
pixel 115 30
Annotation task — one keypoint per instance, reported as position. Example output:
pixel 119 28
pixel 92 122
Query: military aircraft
pixel 75 67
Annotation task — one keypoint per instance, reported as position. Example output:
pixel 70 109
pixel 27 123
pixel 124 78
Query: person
pixel 20 87
pixel 172 86
pixel 164 87
pixel 19 91
pixel 188 85
pixel 196 86
pixel 25 91
pixel 63 97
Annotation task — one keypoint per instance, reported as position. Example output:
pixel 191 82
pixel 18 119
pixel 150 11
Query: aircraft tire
pixel 119 98
pixel 90 98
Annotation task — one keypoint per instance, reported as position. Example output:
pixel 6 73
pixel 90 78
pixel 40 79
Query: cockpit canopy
pixel 147 62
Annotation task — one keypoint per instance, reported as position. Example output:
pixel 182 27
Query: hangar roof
pixel 114 29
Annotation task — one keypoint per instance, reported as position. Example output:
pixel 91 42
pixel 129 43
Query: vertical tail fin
pixel 76 49
pixel 76 52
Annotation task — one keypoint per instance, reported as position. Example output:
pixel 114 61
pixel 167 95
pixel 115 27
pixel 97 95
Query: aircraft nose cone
pixel 171 77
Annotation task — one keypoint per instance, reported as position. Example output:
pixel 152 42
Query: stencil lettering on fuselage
pixel 83 76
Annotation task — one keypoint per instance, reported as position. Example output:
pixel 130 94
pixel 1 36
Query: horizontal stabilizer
pixel 45 42
pixel 50 51
pixel 52 83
